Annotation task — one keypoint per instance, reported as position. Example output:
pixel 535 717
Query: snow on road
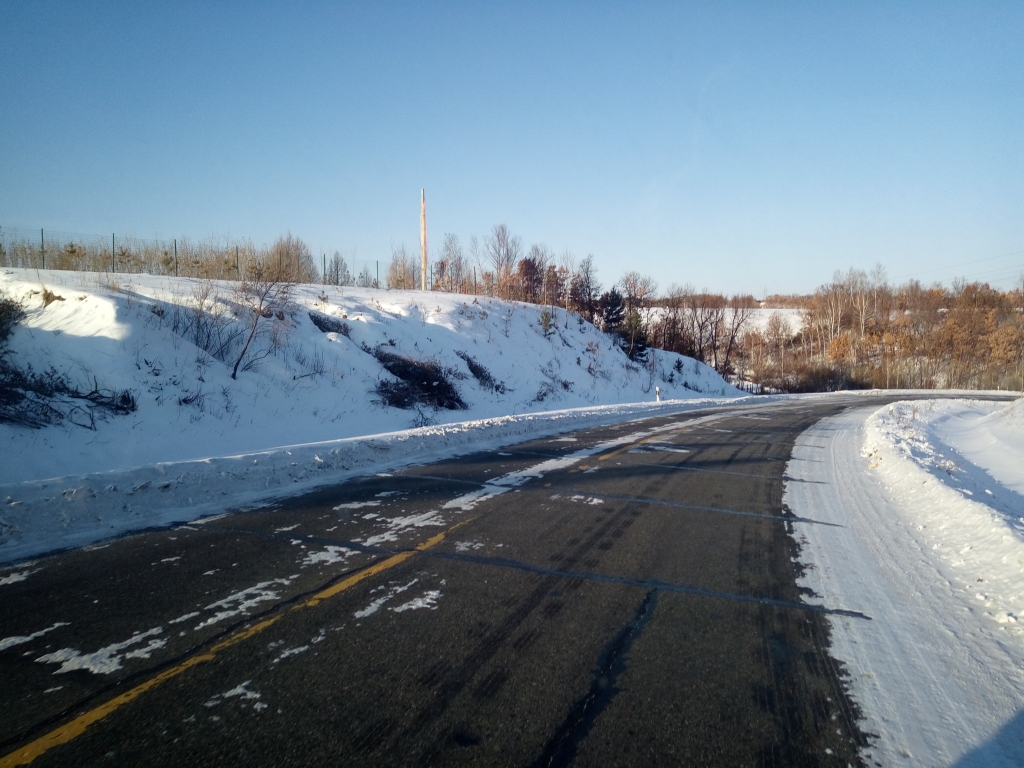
pixel 926 500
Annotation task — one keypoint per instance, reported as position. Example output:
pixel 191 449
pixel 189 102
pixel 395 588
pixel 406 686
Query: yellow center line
pixel 76 727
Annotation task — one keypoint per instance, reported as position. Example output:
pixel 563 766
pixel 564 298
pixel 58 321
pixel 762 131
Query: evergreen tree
pixel 634 337
pixel 612 309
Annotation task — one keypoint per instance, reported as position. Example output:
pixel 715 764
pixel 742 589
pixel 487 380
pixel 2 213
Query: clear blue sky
pixel 740 147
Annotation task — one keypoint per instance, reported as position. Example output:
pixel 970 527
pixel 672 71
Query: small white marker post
pixel 657 394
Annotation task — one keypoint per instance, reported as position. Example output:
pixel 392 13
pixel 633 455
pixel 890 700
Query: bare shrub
pixel 482 375
pixel 11 313
pixel 312 364
pixel 328 324
pixel 420 382
pixel 206 321
pixel 35 400
pixel 290 261
pixel 31 399
pixel 49 297
pixel 263 296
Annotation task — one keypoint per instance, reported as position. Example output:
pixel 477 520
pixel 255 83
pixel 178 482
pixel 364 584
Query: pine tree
pixel 634 337
pixel 612 310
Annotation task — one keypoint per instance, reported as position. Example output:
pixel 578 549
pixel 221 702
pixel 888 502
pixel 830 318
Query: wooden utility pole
pixel 423 240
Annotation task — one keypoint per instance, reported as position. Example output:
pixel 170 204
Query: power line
pixel 958 266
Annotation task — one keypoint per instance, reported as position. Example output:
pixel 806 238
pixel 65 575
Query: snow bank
pixel 938 671
pixel 40 516
pixel 957 468
pixel 990 437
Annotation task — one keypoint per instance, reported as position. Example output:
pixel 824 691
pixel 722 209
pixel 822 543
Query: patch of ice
pixel 468 501
pixel 14 578
pixel 290 652
pixel 10 642
pixel 375 606
pixel 427 600
pixel 399 525
pixel 329 556
pixel 105 660
pixel 242 691
pixel 357 505
pixel 242 601
pixel 209 519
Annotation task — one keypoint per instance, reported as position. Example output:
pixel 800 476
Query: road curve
pixel 624 595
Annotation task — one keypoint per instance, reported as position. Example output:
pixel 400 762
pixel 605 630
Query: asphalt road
pixel 618 596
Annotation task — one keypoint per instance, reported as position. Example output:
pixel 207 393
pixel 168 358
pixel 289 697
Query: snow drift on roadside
pixel 938 678
pixel 957 468
pixel 41 516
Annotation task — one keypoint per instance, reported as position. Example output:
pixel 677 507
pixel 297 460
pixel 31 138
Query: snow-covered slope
pixel 136 332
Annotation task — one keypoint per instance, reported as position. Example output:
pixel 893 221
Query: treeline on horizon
pixel 856 332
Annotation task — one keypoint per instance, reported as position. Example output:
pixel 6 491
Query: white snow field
pixel 927 538
pixel 306 414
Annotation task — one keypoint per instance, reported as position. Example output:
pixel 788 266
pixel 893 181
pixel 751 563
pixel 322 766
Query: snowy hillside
pixel 320 370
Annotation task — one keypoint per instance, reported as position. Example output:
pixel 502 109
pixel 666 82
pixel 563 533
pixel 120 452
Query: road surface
pixel 624 595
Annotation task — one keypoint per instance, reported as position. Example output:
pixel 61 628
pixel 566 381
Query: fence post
pixel 238 274
pixel 323 280
pixel 175 257
pixel 113 264
pixel 42 247
pixel 378 275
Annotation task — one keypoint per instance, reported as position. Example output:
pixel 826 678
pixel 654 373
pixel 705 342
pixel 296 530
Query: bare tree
pixel 403 271
pixel 584 288
pixel 668 333
pixel 542 258
pixel 452 265
pixel 366 278
pixel 503 250
pixel 263 295
pixel 779 333
pixel 736 317
pixel 292 260
pixel 879 282
pixel 859 289
pixel 704 313
pixel 566 269
pixel 638 291
pixel 337 271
